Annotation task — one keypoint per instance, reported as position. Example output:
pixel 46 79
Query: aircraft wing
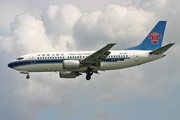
pixel 99 55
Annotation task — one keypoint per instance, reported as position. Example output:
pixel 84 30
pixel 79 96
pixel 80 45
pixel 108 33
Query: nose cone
pixel 10 65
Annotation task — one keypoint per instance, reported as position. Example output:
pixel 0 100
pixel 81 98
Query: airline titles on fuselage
pixel 76 55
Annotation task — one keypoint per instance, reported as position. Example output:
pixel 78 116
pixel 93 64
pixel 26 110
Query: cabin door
pixel 136 56
pixel 33 60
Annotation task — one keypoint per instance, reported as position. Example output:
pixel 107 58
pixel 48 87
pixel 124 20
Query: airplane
pixel 75 63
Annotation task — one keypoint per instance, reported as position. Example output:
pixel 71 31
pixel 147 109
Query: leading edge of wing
pixel 99 55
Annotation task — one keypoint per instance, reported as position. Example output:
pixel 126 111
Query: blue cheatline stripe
pixel 31 62
pixel 115 59
pixel 54 61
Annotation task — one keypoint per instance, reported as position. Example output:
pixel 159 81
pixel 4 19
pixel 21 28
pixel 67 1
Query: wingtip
pixel 113 43
pixel 171 44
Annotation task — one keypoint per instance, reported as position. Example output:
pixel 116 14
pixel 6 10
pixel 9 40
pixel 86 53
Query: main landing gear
pixel 89 72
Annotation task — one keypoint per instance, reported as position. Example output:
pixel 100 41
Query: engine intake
pixel 71 64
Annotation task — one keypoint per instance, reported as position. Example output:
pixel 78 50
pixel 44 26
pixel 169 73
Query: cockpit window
pixel 20 58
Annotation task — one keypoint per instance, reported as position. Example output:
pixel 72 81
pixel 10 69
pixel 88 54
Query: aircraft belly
pixel 150 58
pixel 115 65
pixel 50 67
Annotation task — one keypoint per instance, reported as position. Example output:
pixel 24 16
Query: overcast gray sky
pixel 146 92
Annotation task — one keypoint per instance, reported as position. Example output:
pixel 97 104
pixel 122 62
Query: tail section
pixel 162 49
pixel 154 39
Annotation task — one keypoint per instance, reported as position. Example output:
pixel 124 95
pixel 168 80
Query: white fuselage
pixel 52 61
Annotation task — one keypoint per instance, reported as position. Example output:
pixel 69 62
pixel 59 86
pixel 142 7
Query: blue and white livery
pixel 73 64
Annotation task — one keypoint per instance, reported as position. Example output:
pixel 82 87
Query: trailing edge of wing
pixel 162 49
pixel 99 55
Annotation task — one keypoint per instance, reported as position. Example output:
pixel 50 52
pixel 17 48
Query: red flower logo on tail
pixel 155 37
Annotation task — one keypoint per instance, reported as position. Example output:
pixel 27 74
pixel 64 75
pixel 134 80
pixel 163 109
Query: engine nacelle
pixel 71 64
pixel 68 74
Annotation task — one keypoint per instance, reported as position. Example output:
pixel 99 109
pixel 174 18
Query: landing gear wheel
pixel 27 76
pixel 90 72
pixel 88 77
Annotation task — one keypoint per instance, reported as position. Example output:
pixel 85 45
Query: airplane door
pixel 33 59
pixel 136 56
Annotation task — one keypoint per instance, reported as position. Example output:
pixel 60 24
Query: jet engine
pixel 68 74
pixel 71 64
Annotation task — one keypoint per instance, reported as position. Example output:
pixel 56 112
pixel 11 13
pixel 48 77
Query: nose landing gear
pixel 25 72
pixel 27 76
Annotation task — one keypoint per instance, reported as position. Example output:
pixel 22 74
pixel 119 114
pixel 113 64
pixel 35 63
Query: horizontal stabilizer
pixel 162 49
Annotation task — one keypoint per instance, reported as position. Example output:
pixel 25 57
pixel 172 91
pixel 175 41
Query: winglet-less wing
pixel 99 55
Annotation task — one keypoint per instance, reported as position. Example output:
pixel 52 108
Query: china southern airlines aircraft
pixel 73 64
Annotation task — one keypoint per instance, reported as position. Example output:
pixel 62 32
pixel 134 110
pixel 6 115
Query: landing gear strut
pixel 89 72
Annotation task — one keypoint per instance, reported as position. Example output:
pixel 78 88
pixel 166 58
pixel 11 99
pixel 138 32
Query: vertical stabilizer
pixel 154 39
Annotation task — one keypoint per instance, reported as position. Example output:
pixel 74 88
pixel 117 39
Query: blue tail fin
pixel 154 39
